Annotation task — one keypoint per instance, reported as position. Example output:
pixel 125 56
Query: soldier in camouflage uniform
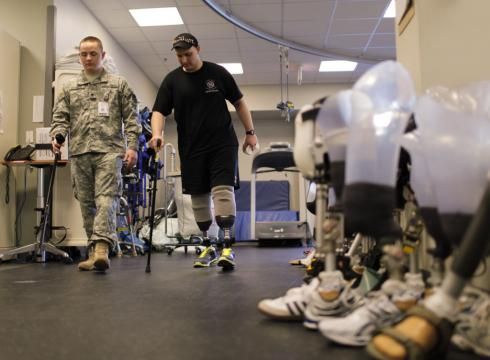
pixel 99 112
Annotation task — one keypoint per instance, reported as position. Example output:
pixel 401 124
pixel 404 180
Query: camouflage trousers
pixel 97 185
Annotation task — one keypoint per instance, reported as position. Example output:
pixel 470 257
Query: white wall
pixel 74 22
pixel 266 97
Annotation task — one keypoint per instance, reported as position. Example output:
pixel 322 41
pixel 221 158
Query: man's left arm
pixel 245 117
pixel 131 127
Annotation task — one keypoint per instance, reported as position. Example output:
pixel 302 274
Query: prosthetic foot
pixel 420 335
pixel 208 257
pixel 101 256
pixel 332 297
pixel 382 308
pixel 227 258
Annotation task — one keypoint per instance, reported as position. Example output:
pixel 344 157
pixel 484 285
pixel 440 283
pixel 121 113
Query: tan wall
pixel 9 108
pixel 26 21
pixel 444 44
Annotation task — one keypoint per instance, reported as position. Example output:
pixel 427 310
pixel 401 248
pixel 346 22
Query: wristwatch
pixel 250 132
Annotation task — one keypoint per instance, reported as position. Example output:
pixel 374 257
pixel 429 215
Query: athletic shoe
pixel 472 331
pixel 381 309
pixel 207 258
pixel 290 306
pixel 306 261
pixel 227 259
pixel 333 297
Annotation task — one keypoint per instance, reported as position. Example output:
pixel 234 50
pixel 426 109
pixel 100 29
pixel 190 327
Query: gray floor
pixel 52 311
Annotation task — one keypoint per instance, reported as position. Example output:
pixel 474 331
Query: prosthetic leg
pixel 369 197
pixel 227 258
pixel 208 257
pixel 426 330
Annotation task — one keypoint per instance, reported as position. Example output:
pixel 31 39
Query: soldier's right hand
pixel 156 142
pixel 55 147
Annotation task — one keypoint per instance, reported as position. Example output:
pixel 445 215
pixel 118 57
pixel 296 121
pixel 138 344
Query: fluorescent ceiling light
pixel 390 10
pixel 233 68
pixel 337 66
pixel 156 16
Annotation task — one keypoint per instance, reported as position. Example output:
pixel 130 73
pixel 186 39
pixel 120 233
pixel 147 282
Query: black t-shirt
pixel 199 103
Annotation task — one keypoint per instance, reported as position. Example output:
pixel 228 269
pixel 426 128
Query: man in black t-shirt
pixel 208 146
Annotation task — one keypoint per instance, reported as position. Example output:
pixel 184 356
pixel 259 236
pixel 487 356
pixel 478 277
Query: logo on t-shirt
pixel 210 87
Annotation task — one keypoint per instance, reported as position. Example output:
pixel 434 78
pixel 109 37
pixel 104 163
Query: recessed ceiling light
pixel 337 66
pixel 233 68
pixel 390 11
pixel 156 16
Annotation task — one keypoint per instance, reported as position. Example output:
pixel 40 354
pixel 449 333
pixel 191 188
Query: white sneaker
pixel 306 261
pixel 290 306
pixel 472 331
pixel 382 308
pixel 332 297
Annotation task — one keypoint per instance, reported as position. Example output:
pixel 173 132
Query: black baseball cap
pixel 184 41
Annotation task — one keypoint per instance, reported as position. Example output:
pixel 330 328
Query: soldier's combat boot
pixel 88 264
pixel 101 256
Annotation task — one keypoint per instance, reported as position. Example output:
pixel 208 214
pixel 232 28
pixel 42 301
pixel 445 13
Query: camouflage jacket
pixel 97 115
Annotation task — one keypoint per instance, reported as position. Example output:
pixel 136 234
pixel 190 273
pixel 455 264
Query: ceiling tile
pixel 163 33
pixel 250 2
pixel 200 15
pixel 381 53
pixel 189 2
pixel 347 41
pixel 148 60
pixel 305 28
pixel 259 57
pixel 386 26
pixel 132 34
pixel 212 31
pixel 311 11
pixel 346 9
pixel 270 27
pixel 383 40
pixel 258 13
pixel 142 4
pixel 138 48
pixel 210 45
pixel 351 26
pixel 315 41
pixel 115 18
pixel 255 44
pixel 221 57
pixel 104 5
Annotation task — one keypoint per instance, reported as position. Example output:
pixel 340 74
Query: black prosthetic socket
pixel 434 227
pixel 226 222
pixel 368 209
pixel 311 207
pixel 204 227
pixel 337 179
pixel 475 244
pixel 455 226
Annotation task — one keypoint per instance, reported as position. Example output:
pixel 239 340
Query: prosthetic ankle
pixel 204 227
pixel 225 209
pixel 225 222
pixel 201 206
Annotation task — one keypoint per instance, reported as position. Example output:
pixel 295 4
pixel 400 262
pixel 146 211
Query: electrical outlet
pixel 29 137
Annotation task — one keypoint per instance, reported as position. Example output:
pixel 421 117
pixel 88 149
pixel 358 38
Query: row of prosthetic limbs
pixel 363 129
pixel 449 177
pixel 223 198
